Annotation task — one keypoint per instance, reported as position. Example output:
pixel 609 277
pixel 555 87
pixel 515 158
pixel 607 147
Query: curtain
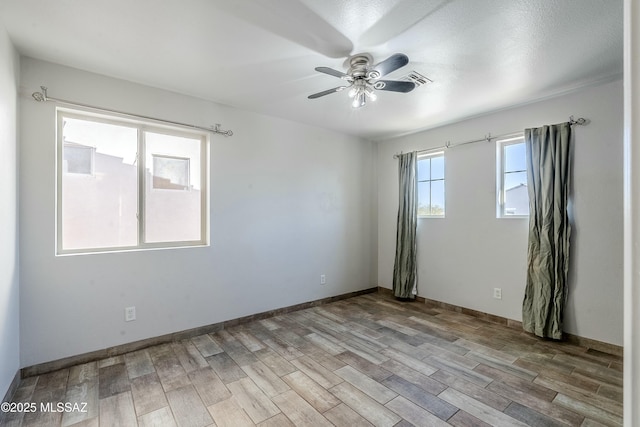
pixel 405 268
pixel 548 174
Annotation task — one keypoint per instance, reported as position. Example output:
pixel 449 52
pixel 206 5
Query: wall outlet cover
pixel 129 314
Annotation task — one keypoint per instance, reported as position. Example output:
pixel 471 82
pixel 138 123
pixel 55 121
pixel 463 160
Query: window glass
pixel 513 195
pixel 430 177
pixel 173 199
pixel 437 167
pixel 437 198
pixel 424 170
pixel 424 198
pixel 514 155
pixel 98 210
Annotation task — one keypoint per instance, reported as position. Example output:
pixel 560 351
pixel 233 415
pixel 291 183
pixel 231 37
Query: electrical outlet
pixel 129 314
pixel 497 293
pixel 323 279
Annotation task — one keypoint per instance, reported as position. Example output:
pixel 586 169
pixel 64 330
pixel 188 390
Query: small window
pixel 145 185
pixel 513 194
pixel 430 177
pixel 170 173
pixel 78 158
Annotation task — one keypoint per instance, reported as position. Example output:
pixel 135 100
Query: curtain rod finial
pixel 40 96
pixel 220 131
pixel 581 121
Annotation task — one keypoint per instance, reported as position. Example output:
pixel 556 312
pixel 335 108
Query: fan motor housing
pixel 359 64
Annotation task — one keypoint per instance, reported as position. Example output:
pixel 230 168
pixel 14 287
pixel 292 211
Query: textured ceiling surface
pixel 260 55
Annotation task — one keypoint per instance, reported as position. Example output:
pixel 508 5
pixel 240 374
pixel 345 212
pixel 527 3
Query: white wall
pixel 465 255
pixel 288 202
pixel 9 295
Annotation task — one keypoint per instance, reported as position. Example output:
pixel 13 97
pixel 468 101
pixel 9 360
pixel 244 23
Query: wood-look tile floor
pixel 368 360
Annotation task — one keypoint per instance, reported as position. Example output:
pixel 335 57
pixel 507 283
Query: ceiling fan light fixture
pixel 361 92
pixel 368 91
pixel 360 100
pixel 363 78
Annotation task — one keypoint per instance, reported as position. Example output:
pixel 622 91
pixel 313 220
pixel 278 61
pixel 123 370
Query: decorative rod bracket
pixel 216 129
pixel 40 96
pixel 579 121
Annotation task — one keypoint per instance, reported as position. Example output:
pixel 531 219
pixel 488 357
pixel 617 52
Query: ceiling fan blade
pixel 309 29
pixel 400 19
pixel 327 92
pixel 333 72
pixel 395 85
pixel 390 64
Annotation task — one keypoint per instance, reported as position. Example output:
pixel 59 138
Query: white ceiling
pixel 260 55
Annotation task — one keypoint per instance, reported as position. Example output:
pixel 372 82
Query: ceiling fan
pixel 362 79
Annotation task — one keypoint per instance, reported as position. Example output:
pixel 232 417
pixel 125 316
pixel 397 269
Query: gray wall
pixel 288 202
pixel 9 292
pixel 465 255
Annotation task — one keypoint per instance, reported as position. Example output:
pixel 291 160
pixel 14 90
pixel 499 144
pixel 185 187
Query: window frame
pixel 430 155
pixel 501 145
pixel 142 127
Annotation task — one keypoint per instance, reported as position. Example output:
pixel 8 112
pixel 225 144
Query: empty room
pixel 316 213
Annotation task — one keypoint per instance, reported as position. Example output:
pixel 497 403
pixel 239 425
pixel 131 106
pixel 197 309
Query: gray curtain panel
pixel 548 174
pixel 405 269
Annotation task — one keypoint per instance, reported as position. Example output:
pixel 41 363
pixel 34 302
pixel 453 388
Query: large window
pixel 513 194
pixel 431 185
pixel 124 184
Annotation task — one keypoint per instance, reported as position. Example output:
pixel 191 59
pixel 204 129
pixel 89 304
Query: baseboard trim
pixel 67 362
pixel 588 343
pixel 389 292
pixel 604 347
pixel 15 383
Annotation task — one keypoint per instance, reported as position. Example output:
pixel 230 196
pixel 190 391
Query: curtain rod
pixel 42 97
pixel 578 122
